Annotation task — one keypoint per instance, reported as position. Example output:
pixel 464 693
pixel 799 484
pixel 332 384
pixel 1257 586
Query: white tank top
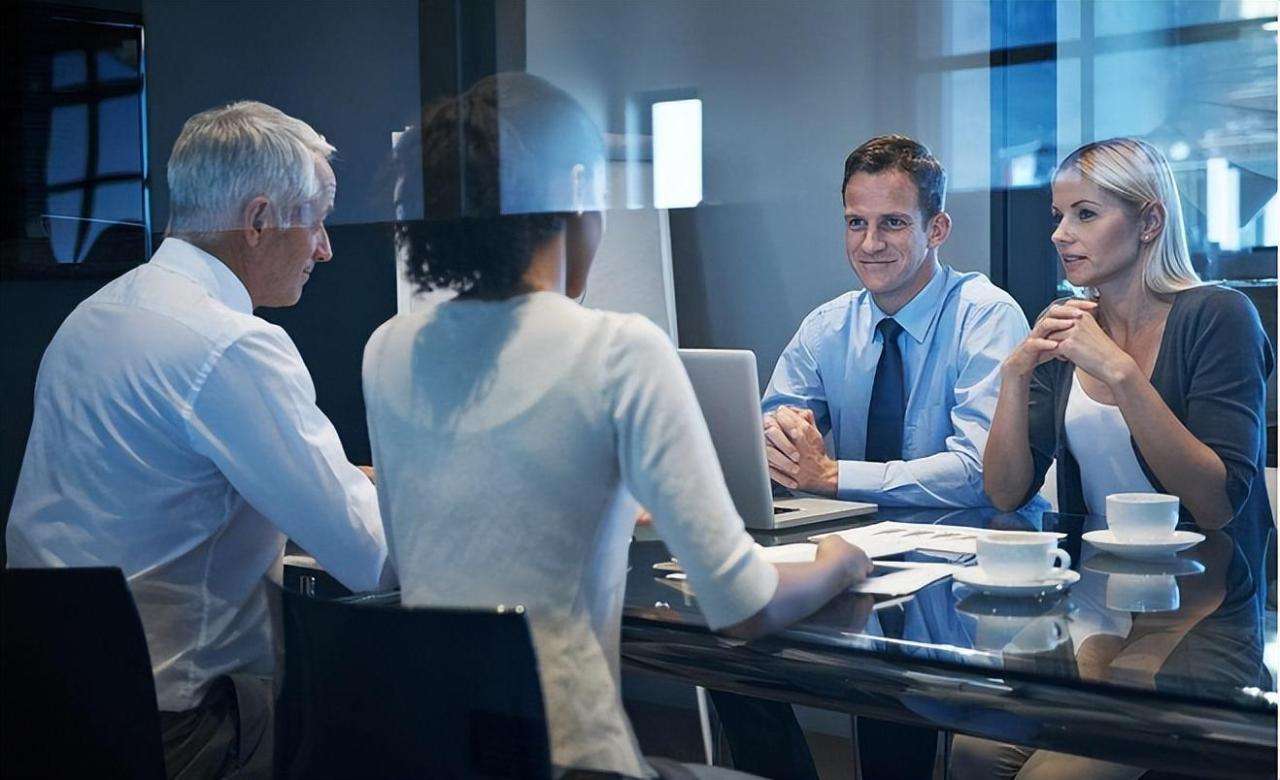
pixel 1099 439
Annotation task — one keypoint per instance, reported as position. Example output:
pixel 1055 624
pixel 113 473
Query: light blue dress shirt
pixel 956 333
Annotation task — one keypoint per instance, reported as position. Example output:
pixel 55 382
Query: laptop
pixel 725 382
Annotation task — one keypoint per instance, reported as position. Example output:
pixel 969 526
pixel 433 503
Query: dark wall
pixel 351 70
pixel 348 68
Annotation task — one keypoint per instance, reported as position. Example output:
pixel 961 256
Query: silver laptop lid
pixel 725 382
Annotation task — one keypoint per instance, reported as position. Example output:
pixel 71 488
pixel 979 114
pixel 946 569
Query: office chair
pixel 79 699
pixel 374 689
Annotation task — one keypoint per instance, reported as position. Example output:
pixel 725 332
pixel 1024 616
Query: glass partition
pixel 724 223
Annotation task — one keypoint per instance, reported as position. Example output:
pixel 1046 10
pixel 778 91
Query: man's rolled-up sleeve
pixel 255 417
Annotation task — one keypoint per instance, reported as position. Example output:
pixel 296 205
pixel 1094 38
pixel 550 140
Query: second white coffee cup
pixel 1020 556
pixel 1142 517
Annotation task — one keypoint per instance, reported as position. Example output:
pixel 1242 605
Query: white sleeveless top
pixel 1098 437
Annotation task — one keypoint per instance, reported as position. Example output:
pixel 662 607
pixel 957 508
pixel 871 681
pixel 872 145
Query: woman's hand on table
pixel 805 588
pixel 852 558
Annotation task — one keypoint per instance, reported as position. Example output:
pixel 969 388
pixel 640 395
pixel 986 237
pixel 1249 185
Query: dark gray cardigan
pixel 1211 371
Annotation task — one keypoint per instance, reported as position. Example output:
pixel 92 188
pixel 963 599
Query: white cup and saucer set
pixel 1143 526
pixel 1019 564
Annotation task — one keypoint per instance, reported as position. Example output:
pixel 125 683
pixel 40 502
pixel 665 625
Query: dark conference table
pixel 1156 665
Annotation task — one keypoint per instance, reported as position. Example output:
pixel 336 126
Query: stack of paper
pixel 881 540
pixel 890 578
pixel 897 578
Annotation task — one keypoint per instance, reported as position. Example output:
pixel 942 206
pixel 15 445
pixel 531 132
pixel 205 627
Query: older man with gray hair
pixel 176 435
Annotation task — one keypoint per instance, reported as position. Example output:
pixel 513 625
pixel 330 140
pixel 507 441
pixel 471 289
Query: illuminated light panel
pixel 677 154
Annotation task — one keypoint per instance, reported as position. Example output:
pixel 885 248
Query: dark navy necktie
pixel 888 399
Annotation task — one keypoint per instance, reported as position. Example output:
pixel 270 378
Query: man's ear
pixel 939 229
pixel 255 219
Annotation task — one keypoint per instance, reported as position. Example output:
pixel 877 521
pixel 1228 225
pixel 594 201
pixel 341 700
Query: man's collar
pixel 919 313
pixel 205 270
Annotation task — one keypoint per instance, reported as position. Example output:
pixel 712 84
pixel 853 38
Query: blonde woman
pixel 1153 381
pixel 1162 378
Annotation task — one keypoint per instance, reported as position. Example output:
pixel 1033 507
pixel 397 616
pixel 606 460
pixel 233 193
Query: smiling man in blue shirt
pixel 902 376
pixel 904 373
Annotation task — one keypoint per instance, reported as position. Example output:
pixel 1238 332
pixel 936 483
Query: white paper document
pixel 902 578
pixel 890 578
pixel 881 540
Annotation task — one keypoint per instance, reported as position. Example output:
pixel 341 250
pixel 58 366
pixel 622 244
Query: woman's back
pixel 492 445
pixel 506 435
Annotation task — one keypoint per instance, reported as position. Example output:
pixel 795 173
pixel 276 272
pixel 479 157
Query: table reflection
pixel 1189 625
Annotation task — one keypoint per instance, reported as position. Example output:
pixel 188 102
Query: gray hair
pixel 227 156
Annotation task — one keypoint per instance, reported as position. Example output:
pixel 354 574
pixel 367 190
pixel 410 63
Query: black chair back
pixel 79 699
pixel 379 690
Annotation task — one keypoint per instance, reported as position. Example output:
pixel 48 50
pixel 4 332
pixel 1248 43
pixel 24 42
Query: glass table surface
pixel 1163 660
pixel 1191 625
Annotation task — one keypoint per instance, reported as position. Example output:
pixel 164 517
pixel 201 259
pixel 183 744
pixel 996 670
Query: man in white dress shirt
pixel 176 435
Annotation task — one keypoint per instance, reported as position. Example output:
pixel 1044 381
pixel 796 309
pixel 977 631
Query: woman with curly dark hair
pixel 511 426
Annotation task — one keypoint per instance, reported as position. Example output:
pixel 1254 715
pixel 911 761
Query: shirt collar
pixel 205 270
pixel 919 313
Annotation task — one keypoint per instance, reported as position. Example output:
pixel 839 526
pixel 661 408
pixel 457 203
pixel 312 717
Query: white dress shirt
pixel 506 437
pixel 176 436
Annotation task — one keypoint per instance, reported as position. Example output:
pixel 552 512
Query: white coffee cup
pixel 1020 556
pixel 1142 517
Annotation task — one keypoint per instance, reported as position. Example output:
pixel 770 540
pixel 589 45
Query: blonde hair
pixel 1136 172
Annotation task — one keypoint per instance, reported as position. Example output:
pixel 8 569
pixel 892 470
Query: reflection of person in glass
pixel 1159 377
pixel 1209 645
pixel 509 424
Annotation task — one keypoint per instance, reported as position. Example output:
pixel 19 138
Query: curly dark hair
pixel 489 171
pixel 900 153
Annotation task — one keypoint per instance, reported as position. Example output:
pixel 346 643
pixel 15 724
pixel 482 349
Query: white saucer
pixel 1106 541
pixel 976 578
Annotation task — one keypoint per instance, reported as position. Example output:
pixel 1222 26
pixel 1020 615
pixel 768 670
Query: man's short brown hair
pixel 897 152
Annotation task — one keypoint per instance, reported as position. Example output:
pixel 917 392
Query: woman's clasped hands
pixel 1069 331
